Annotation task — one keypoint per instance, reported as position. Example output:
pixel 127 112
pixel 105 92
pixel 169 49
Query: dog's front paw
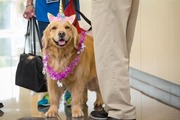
pixel 77 112
pixel 51 113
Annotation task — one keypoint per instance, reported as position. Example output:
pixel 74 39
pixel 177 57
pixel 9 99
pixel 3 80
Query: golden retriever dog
pixel 60 41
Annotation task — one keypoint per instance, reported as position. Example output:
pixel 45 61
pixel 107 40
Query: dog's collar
pixel 64 74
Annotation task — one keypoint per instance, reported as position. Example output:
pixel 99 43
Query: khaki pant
pixel 113 23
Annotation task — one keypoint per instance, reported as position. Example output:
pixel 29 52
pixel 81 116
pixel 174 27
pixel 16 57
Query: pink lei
pixel 64 74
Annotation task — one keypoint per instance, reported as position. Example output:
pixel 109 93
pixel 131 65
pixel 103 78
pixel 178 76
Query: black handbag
pixel 29 73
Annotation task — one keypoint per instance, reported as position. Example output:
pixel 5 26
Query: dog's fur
pixel 83 76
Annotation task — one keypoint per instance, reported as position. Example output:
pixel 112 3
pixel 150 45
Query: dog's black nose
pixel 62 34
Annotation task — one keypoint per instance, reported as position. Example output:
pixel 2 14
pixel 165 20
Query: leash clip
pixel 59 84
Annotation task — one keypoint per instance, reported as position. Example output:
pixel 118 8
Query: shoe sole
pixel 95 118
pixel 68 105
pixel 44 105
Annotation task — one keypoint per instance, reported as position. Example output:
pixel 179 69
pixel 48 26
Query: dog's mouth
pixel 61 42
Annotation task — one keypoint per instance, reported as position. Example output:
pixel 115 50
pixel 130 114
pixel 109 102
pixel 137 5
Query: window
pixel 12 30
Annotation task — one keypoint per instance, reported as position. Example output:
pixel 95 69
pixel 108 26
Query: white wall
pixel 156 47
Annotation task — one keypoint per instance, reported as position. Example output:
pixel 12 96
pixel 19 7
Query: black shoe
pixel 99 115
pixel 1 105
pixel 43 109
pixel 110 118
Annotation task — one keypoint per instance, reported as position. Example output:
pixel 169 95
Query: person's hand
pixel 29 12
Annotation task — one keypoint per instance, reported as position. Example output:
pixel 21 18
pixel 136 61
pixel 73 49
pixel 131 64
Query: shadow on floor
pixel 67 111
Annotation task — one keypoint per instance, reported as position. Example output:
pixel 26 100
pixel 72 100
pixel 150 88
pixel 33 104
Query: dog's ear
pixel 75 37
pixel 45 39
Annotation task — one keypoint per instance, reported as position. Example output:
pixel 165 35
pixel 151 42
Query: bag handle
pixel 38 32
pixel 26 37
pixel 85 18
pixel 32 31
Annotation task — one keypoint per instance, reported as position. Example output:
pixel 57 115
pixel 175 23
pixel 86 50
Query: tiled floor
pixel 21 104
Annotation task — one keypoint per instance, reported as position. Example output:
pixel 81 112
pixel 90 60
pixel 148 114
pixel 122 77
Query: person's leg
pixel 45 100
pixel 42 27
pixel 110 22
pixel 67 98
pixel 132 24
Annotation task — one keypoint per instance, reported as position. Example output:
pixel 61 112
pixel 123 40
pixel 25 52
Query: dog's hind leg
pixel 85 96
pixel 99 102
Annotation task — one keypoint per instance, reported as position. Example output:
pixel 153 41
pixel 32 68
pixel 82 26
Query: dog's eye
pixel 54 28
pixel 67 27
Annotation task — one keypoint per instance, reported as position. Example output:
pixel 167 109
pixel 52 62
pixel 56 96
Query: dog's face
pixel 60 34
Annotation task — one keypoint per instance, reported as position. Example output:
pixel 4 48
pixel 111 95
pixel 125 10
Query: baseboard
pixel 157 88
